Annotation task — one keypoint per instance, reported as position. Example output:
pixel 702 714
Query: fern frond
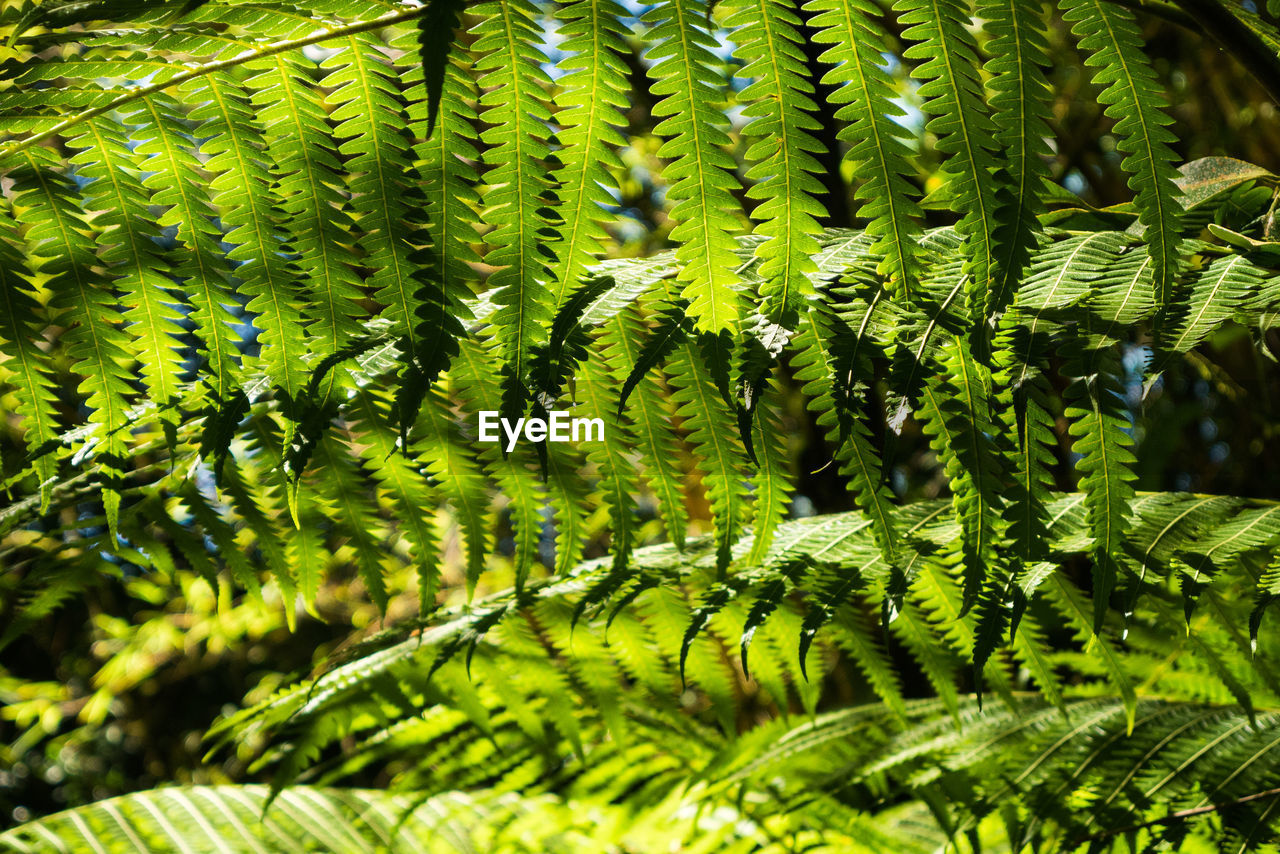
pixel 1020 99
pixel 878 155
pixel 701 173
pixel 959 423
pixel 569 495
pixel 1061 276
pixel 342 496
pixel 816 367
pixel 1132 97
pixel 618 477
pixel 650 411
pixel 667 612
pixel 773 483
pixel 24 364
pixel 241 189
pixel 953 95
pixel 128 247
pixel 1030 418
pixel 1067 601
pixel 252 818
pixel 784 169
pixel 1248 529
pixel 1100 424
pixel 371 119
pixel 404 483
pixel 260 503
pixel 167 74
pixel 444 159
pixel 591 99
pixel 714 442
pixel 84 302
pixel 202 269
pixel 317 218
pixel 1215 294
pixel 458 476
pixel 476 382
pixel 517 179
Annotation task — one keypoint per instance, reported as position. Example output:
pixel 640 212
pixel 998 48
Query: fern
pixel 129 247
pixel 241 191
pixel 1019 98
pixel 816 368
pixel 516 180
pixel 83 301
pixel 710 433
pixel 954 97
pixel 784 167
pixel 591 101
pixel 203 270
pixel 701 173
pixel 1114 42
pixel 319 219
pixel 877 152
pixel 266 264
pixel 24 368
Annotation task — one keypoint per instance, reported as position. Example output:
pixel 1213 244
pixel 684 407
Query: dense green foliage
pixel 263 265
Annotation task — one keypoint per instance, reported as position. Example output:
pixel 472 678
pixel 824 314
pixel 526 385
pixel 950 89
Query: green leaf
pixel 879 157
pixel 953 96
pixel 782 149
pixel 1132 97
pixel 701 173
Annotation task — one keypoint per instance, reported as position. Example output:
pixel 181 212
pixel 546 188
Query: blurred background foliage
pixel 112 691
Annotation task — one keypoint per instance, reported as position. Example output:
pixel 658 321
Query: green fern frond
pixel 128 247
pixel 714 443
pixel 241 190
pixel 202 268
pixel 342 496
pixel 476 381
pixel 84 302
pixel 458 476
pixel 1114 42
pixel 773 483
pixel 877 152
pixel 1020 99
pixel 517 180
pixel 591 99
pixel 410 492
pixel 317 218
pixel 370 118
pixel 650 410
pixel 569 495
pixel 1061 275
pixel 953 95
pixel 816 368
pixel 701 174
pixel 958 420
pixel 1103 438
pixel 251 818
pixel 23 362
pixel 782 149
pixel 1215 294
pixel 1067 601
pixel 444 159
pixel 618 477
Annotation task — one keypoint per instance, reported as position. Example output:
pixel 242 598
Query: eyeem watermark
pixel 558 427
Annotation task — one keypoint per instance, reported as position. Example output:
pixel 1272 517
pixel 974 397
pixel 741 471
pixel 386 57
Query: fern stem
pixel 1180 815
